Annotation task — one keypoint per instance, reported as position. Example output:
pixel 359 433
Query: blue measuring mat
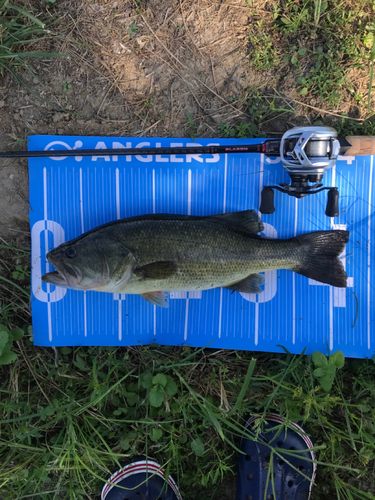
pixel 70 195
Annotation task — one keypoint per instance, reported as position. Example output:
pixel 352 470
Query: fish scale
pixel 151 254
pixel 220 257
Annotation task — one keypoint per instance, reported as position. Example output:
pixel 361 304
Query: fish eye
pixel 71 253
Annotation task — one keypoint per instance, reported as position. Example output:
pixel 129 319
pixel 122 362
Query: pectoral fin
pixel 156 270
pixel 156 298
pixel 251 284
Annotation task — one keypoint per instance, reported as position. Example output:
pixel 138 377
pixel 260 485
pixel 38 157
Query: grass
pixel 19 28
pixel 14 284
pixel 324 49
pixel 262 108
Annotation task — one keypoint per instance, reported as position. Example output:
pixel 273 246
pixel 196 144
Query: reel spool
pixel 306 154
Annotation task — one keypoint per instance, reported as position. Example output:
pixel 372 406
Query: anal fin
pixel 251 284
pixel 156 298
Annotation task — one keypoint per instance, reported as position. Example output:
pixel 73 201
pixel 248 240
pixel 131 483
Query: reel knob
pixel 267 206
pixel 332 208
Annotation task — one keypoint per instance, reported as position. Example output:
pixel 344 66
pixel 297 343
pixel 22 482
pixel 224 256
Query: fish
pixel 153 255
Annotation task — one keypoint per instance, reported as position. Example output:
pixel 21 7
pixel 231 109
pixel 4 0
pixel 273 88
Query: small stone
pixel 60 131
pixel 58 116
pixel 2 104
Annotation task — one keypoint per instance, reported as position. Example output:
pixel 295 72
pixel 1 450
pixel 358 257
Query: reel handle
pixel 267 206
pixel 332 208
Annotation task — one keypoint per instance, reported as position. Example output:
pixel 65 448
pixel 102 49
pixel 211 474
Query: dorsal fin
pixel 247 219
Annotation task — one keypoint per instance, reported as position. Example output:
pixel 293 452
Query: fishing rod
pixel 306 154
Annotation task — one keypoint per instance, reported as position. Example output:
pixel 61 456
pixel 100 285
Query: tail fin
pixel 320 257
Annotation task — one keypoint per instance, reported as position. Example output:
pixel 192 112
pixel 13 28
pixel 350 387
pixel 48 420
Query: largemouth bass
pixel 151 255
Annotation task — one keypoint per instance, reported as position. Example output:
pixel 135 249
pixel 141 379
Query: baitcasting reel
pixel 306 154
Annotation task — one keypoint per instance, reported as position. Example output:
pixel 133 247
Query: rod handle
pixel 360 145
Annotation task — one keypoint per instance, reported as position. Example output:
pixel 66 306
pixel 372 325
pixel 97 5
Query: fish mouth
pixel 55 278
pixel 66 276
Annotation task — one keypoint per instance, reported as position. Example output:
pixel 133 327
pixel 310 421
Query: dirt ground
pixel 170 71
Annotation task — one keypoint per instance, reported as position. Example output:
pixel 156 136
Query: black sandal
pixel 141 480
pixel 292 474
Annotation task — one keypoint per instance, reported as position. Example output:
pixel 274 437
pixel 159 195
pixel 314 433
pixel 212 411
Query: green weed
pixel 241 131
pixel 348 127
pixel 326 368
pixel 7 337
pixel 14 285
pixel 263 53
pixel 318 43
pixel 78 416
pixel 133 28
pixel 149 103
pixel 191 129
pixel 21 273
pixel 18 29
pixel 261 108
pixel 67 86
